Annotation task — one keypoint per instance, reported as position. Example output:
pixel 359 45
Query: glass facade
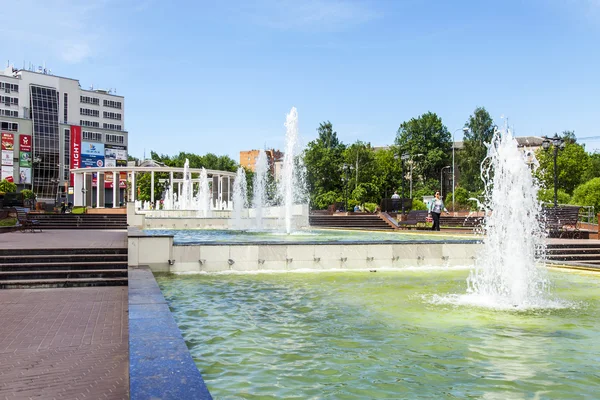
pixel 67 154
pixel 46 142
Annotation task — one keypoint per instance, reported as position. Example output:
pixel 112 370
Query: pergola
pixel 222 182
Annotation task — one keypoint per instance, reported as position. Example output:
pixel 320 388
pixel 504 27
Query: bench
pixel 26 223
pixel 562 221
pixel 413 218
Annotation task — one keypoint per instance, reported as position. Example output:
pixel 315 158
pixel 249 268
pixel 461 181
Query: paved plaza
pixel 67 238
pixel 64 343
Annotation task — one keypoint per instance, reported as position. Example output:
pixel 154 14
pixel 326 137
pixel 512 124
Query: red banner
pixel 75 148
pixel 25 142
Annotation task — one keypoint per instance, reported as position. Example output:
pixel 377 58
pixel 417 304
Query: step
pixel 574 250
pixel 574 257
pixel 573 245
pixel 64 258
pixel 63 274
pixel 61 283
pixel 64 251
pixel 38 266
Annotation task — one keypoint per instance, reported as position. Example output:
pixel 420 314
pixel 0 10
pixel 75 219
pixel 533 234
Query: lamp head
pixel 546 144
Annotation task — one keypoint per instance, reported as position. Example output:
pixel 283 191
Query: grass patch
pixel 8 222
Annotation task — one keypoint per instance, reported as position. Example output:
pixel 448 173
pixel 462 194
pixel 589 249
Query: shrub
pixel 418 205
pixel 547 196
pixel 370 207
pixel 322 201
pixel 78 210
pixel 28 194
pixel 588 194
pixel 7 187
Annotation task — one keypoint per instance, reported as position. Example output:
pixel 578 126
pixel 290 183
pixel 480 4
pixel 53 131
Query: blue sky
pixel 219 76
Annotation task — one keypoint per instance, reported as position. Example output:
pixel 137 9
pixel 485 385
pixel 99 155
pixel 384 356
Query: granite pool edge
pixel 160 364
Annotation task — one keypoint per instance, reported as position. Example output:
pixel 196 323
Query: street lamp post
pixel 442 180
pixel 465 130
pixel 559 144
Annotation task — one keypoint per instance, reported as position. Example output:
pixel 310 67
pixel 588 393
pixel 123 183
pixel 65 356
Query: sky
pixel 220 76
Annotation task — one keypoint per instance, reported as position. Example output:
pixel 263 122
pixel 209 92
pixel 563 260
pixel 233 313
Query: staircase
pixel 59 268
pixel 81 221
pixel 577 253
pixel 367 222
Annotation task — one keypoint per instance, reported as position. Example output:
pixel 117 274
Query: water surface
pixel 360 335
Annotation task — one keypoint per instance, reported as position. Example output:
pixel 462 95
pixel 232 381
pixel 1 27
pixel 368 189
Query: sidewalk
pixel 60 239
pixel 64 343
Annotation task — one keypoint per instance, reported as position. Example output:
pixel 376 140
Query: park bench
pixel 413 218
pixel 562 221
pixel 26 223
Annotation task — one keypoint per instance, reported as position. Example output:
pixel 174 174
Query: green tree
pixel 360 156
pixel 323 158
pixel 588 194
pixel 387 172
pixel 594 171
pixel 7 187
pixel 481 130
pixel 428 136
pixel 573 164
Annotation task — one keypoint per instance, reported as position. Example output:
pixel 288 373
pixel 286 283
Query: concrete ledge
pixel 160 365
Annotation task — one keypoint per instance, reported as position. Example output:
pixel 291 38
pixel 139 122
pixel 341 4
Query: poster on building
pixel 7 173
pixel 25 159
pixel 24 176
pixel 25 143
pixel 92 155
pixel 75 149
pixel 110 162
pixel 115 156
pixel 108 180
pixel 8 146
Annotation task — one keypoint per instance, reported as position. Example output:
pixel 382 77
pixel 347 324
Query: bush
pixel 418 205
pixel 28 194
pixel 322 201
pixel 588 194
pixel 370 207
pixel 7 187
pixel 78 210
pixel 547 196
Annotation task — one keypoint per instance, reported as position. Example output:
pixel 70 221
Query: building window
pixel 9 113
pixel 111 115
pixel 9 126
pixel 93 124
pixel 88 135
pixel 67 152
pixel 66 101
pixel 112 104
pixel 89 112
pixel 15 88
pixel 89 100
pixel 110 138
pixel 112 127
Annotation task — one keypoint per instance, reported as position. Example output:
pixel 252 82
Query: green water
pixel 360 335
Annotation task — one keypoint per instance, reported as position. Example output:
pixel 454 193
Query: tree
pixel 361 157
pixel 323 158
pixel 481 130
pixel 425 135
pixel 588 194
pixel 387 172
pixel 573 164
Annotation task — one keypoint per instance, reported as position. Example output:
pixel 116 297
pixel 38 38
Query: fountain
pixel 203 197
pixel 187 193
pixel 259 200
pixel 240 198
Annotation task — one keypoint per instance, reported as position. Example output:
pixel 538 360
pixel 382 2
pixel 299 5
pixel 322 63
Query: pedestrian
pixel 435 209
pixel 395 201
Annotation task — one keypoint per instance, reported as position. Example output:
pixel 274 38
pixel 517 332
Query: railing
pixel 586 213
pixel 395 205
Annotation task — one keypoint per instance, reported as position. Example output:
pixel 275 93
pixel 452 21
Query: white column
pixel 220 192
pixel 78 183
pixel 115 188
pixel 171 187
pixel 152 188
pixel 98 189
pixel 84 192
pixel 133 190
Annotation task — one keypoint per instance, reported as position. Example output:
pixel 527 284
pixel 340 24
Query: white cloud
pixel 320 15
pixel 69 30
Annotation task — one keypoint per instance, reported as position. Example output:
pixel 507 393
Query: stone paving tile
pixel 71 238
pixel 64 343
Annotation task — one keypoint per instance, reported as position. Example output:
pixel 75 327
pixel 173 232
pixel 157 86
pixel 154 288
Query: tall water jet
pixel 240 197
pixel 203 196
pixel 186 195
pixel 291 184
pixel 505 272
pixel 259 200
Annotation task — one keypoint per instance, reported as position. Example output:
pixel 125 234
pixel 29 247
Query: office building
pixel 49 124
pixel 248 158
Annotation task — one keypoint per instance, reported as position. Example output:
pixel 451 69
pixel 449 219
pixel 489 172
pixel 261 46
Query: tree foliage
pixel 428 138
pixel 7 187
pixel 481 130
pixel 573 164
pixel 588 194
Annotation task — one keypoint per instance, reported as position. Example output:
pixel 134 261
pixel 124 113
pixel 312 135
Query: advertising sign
pixel 25 143
pixel 108 180
pixel 75 149
pixel 8 146
pixel 25 159
pixel 7 173
pixel 115 156
pixel 92 155
pixel 108 162
pixel 25 175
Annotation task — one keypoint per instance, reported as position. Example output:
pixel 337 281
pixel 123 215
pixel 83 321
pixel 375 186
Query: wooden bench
pixel 413 218
pixel 26 223
pixel 562 221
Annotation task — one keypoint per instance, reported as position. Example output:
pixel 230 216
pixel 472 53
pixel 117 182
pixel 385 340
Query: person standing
pixel 435 209
pixel 395 201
